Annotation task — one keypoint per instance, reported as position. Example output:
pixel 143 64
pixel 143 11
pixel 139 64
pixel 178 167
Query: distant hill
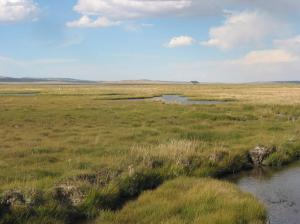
pixel 4 79
pixel 142 82
pixel 292 82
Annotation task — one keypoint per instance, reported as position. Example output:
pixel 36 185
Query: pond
pixel 278 190
pixel 178 99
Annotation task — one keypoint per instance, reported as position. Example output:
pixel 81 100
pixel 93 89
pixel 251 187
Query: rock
pixel 13 198
pixel 69 193
pixel 260 153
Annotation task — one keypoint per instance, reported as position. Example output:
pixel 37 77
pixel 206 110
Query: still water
pixel 177 99
pixel 279 190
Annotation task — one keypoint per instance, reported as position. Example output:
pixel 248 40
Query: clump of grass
pixel 286 153
pixel 190 200
pixel 188 157
pixel 172 156
pixel 175 151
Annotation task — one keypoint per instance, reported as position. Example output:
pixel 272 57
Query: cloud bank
pixel 86 21
pixel 113 11
pixel 242 29
pixel 17 10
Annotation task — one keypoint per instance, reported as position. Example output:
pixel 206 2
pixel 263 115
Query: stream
pixel 278 190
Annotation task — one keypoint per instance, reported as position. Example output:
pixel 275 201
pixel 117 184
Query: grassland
pixel 190 201
pixel 85 149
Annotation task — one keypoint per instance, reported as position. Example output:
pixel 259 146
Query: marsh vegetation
pixel 74 153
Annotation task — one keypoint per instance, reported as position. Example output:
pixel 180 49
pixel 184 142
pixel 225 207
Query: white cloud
pixel 124 9
pixel 17 10
pixel 116 10
pixel 278 7
pixel 215 7
pixel 291 44
pixel 280 63
pixel 134 27
pixel 180 41
pixel 243 29
pixel 271 56
pixel 86 21
pixel 129 9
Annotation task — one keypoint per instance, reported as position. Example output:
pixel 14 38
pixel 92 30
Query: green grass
pixel 112 150
pixel 190 200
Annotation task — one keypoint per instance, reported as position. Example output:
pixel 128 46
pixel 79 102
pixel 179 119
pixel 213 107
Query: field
pixel 79 153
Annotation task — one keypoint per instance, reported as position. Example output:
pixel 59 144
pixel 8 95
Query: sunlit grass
pixel 68 131
pixel 190 200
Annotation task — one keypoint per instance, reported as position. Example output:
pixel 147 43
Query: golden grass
pixel 67 130
pixel 190 201
pixel 247 93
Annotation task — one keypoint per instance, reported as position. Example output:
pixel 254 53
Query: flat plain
pixel 81 152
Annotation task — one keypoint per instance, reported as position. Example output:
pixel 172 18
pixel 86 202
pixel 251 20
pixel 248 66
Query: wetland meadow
pixel 91 154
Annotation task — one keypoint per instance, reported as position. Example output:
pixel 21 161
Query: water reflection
pixel 278 190
pixel 177 99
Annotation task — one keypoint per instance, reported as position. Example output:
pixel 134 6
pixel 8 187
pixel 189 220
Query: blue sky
pixel 182 40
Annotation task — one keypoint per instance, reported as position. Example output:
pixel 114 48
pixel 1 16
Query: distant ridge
pixel 275 82
pixel 143 81
pixel 5 79
pixel 296 82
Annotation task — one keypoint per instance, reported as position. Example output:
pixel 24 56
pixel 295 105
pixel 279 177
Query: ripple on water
pixel 278 190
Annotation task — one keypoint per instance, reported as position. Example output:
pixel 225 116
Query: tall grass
pixel 183 157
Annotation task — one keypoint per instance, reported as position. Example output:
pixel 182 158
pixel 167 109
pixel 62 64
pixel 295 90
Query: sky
pixel 175 40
